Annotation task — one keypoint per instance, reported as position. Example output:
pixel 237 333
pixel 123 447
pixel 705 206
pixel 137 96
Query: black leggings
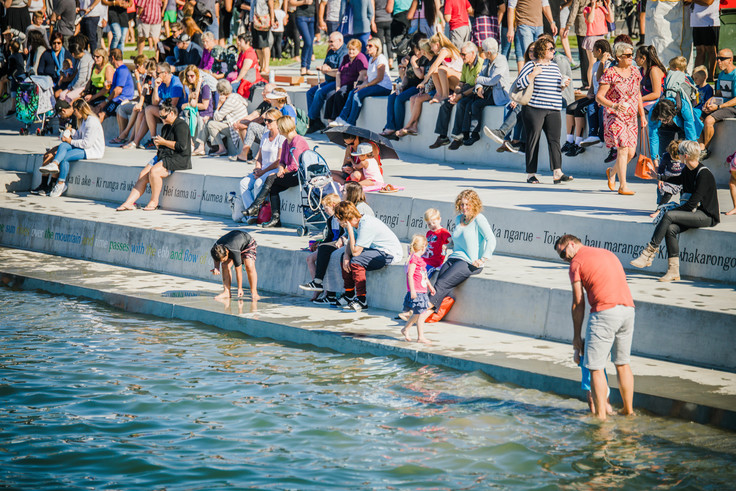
pixel 675 222
pixel 324 252
pixel 289 180
pixel 384 34
pixel 538 120
pixel 453 273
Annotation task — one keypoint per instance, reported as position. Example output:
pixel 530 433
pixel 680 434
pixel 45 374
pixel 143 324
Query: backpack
pixel 302 121
pixel 679 86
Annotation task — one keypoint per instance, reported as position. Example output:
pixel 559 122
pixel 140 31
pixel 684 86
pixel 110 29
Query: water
pixel 94 398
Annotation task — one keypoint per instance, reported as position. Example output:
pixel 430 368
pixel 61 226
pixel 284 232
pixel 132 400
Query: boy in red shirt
pixel 457 14
pixel 437 239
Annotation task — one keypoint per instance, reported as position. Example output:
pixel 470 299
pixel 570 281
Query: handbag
pixel 644 165
pixel 264 214
pixel 261 22
pixel 522 96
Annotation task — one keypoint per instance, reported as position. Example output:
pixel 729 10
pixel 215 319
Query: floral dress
pixel 621 128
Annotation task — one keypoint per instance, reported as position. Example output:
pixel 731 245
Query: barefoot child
pixel 416 299
pixel 437 239
pixel 236 248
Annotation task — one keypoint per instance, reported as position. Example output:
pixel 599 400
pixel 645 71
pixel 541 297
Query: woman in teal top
pixel 473 244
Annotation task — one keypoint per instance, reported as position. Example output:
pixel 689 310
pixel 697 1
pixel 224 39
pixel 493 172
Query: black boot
pixel 275 220
pixel 255 207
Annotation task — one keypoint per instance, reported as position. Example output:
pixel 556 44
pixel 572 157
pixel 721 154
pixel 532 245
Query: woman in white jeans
pixel 267 163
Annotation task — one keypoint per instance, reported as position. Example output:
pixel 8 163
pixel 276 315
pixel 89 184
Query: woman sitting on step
pixel 267 163
pixel 700 210
pixel 473 244
pixel 88 142
pixel 286 176
pixel 174 152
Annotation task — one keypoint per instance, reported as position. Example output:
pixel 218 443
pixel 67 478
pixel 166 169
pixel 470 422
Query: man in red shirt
pixel 611 320
pixel 457 15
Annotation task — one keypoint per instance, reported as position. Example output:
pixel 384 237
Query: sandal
pixel 117 141
pixel 127 208
pixel 151 208
pixel 563 178
pixel 533 180
pixel 129 145
pixel 388 188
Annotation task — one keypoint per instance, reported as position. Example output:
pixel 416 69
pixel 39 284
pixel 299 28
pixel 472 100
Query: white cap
pixel 363 149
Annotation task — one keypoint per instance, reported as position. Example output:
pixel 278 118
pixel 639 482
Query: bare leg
pixel 570 123
pixel 409 323
pixel 250 270
pixel 589 54
pixel 443 89
pixel 579 126
pixel 138 189
pixel 708 130
pixel 625 154
pixel 130 124
pixel 599 388
pixel 141 128
pixel 626 387
pixel 732 187
pixel 566 47
pixel 226 280
pixel 416 111
pixel 152 117
pixel 156 180
pixel 420 327
pixel 266 66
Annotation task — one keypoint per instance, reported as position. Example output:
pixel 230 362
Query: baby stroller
pixel 34 103
pixel 315 181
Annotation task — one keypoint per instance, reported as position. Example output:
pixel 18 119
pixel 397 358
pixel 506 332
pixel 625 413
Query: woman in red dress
pixel 620 94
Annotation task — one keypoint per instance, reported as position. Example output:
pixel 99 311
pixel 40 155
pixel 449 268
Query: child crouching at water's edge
pixel 416 301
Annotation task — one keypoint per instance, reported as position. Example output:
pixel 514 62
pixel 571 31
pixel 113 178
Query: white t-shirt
pixel 332 11
pixel 270 149
pixel 372 233
pixel 373 65
pixel 279 16
pixel 702 16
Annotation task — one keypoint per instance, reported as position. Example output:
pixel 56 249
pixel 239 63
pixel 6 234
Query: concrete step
pixel 526 218
pixel 684 321
pixel 668 389
pixel 14 181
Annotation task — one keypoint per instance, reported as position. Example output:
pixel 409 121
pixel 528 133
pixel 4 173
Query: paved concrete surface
pixel 702 395
pixel 516 294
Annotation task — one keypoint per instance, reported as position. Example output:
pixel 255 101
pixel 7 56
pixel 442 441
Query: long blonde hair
pixel 418 243
pixel 442 40
pixel 83 108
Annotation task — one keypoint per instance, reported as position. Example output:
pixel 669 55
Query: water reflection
pixel 99 398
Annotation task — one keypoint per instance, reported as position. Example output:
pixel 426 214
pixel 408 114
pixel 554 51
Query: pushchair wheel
pixel 301 231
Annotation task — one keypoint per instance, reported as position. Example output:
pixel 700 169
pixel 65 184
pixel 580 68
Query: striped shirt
pixel 547 85
pixel 150 11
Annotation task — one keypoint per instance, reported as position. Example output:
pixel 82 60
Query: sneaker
pixel 574 66
pixel 612 155
pixel 150 145
pixel 566 147
pixel 705 154
pixel 439 142
pixel 575 150
pixel 58 190
pixel 312 287
pixel 510 147
pixel 50 168
pixel 356 305
pixel 339 122
pixel 495 135
pixel 342 301
pixel 323 301
pixel 455 144
pixel 40 189
pixel 474 137
pixel 591 140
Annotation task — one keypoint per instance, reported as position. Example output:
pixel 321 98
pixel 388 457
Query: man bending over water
pixel 236 248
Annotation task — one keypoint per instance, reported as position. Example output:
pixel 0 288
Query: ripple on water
pixel 94 397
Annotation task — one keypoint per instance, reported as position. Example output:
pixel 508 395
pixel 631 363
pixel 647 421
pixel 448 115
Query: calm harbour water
pixel 95 398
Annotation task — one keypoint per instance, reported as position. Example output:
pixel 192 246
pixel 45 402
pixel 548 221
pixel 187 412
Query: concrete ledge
pixel 667 389
pixel 517 295
pixel 14 181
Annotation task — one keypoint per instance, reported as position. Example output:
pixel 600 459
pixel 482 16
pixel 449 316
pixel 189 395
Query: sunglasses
pixel 56 42
pixel 563 252
pixel 552 48
pixel 723 58
pixel 627 55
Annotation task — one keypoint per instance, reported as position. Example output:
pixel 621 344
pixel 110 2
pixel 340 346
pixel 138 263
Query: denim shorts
pixel 609 331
